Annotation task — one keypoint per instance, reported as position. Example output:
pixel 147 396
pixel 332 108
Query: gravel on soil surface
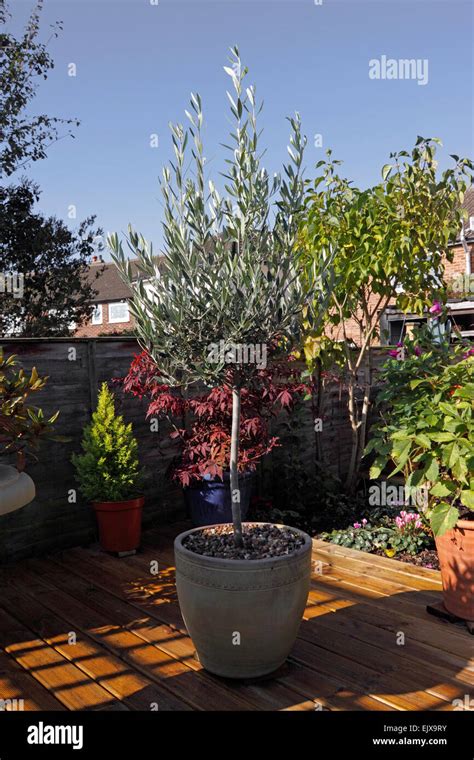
pixel 427 558
pixel 260 542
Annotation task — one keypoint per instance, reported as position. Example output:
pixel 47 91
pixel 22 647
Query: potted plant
pixel 109 476
pixel 228 290
pixel 427 433
pixel 22 428
pixel 202 465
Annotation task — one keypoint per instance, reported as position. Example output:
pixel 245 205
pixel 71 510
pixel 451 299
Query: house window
pixel 118 312
pixel 97 314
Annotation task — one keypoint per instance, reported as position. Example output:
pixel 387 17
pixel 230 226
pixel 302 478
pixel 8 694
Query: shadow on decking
pixel 354 651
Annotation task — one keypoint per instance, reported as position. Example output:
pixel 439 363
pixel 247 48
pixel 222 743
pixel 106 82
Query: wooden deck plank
pixel 390 662
pixel 451 638
pixel 268 695
pixel 361 624
pixel 64 680
pixel 17 684
pixel 88 609
pixel 359 579
pixel 348 591
pixel 113 579
pixel 124 573
pixel 376 561
pixel 385 610
pixel 23 600
pixel 375 572
pixel 133 650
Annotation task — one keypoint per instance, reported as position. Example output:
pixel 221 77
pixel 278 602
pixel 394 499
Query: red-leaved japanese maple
pixel 206 441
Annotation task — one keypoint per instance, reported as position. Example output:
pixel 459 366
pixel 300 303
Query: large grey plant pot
pixel 16 489
pixel 258 603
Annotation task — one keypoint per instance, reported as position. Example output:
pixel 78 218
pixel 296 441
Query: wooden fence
pixel 58 517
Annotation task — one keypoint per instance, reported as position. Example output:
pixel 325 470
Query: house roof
pixel 109 285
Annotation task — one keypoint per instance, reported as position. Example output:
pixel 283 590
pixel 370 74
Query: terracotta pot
pixel 456 557
pixel 120 524
pixel 242 615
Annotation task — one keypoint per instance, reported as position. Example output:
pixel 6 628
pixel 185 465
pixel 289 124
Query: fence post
pixel 92 373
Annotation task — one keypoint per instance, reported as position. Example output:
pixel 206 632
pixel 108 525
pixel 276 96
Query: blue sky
pixel 137 63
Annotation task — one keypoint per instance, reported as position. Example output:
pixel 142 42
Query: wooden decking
pixel 84 631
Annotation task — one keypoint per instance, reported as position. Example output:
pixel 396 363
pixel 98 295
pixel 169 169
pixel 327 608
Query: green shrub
pixel 108 469
pixel 23 426
pixel 427 432
pixel 404 534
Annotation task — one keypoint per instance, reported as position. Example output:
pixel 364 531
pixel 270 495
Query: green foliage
pixel 53 262
pixel 394 234
pixel 381 535
pixel 390 242
pixel 108 468
pixel 305 493
pixel 229 272
pixel 24 60
pixel 427 431
pixel 367 539
pixel 22 425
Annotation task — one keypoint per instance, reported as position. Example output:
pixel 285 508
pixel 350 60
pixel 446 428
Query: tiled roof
pixel 109 285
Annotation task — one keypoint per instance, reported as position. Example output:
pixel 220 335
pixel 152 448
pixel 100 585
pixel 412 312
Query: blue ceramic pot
pixel 209 500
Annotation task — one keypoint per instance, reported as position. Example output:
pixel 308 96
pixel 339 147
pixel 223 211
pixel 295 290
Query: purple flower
pixel 393 353
pixel 417 351
pixel 436 309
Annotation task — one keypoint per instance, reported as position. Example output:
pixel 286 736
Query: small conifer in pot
pixel 109 475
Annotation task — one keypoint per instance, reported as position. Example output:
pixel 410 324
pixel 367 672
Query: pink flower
pixel 393 353
pixel 357 525
pixel 436 309
pixel 364 521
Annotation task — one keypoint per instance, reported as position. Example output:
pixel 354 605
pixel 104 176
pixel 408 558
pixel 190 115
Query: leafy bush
pixel 404 534
pixel 22 425
pixel 428 430
pixel 108 470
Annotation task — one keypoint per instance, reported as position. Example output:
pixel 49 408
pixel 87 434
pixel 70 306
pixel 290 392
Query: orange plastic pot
pixel 456 558
pixel 120 524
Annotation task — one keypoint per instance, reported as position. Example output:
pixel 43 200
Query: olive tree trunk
pixel 234 471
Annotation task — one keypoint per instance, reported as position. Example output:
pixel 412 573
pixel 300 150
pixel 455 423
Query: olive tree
pixel 228 289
